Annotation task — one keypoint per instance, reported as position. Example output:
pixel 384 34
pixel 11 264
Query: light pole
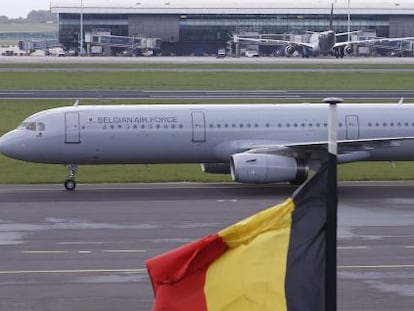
pixel 349 20
pixel 81 29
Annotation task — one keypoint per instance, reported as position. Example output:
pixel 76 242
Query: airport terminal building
pixel 188 27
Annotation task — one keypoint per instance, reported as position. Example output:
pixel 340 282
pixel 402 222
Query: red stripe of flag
pixel 178 276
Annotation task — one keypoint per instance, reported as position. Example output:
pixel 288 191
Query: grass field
pixel 145 80
pixel 72 63
pixel 12 112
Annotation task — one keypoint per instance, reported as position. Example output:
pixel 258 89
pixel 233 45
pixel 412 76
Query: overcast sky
pixel 16 8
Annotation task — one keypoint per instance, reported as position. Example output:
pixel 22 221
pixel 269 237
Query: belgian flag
pixel 273 260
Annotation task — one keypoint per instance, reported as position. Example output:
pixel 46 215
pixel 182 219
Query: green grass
pixel 129 64
pixel 205 80
pixel 17 172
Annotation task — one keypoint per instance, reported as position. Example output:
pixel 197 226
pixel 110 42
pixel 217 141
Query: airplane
pixel 324 42
pixel 256 144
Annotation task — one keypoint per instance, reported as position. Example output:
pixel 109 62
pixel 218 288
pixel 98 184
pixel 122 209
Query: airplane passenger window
pixel 31 126
pixel 41 126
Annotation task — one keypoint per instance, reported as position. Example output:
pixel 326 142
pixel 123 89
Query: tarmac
pixel 205 60
pixel 86 250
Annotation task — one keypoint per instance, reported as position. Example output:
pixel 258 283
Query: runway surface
pixel 204 60
pixel 85 250
pixel 394 95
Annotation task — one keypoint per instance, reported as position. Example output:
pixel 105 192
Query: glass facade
pixel 69 26
pixel 205 33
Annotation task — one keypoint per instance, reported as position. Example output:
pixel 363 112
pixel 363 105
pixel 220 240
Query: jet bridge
pixel 137 45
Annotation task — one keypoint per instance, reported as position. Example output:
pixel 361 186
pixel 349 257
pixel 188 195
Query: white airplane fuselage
pixel 201 133
pixel 323 42
pixel 131 134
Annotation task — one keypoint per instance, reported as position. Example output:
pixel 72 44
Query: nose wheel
pixel 70 183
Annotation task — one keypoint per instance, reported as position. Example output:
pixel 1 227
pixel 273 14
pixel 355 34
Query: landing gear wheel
pixel 70 184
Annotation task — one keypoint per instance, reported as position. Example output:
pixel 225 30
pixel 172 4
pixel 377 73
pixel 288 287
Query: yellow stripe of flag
pixel 250 276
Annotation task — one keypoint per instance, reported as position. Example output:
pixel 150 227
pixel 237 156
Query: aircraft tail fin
pixel 331 18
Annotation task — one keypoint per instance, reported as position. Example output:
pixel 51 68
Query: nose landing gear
pixel 70 183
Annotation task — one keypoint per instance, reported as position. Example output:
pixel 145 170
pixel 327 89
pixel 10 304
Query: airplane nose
pixel 3 145
pixel 8 145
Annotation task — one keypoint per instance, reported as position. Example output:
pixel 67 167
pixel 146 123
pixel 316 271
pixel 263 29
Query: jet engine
pixel 289 50
pixel 267 168
pixel 216 168
pixel 349 49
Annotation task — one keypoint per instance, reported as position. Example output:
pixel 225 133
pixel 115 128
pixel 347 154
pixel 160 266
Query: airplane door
pixel 72 128
pixel 199 127
pixel 352 127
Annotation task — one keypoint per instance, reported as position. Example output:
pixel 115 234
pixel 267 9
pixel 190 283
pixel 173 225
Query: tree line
pixel 34 17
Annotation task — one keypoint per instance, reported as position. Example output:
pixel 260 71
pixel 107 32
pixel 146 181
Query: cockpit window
pixel 22 125
pixel 41 126
pixel 31 126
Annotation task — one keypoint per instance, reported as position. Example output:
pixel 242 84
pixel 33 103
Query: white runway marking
pixel 352 247
pixel 44 252
pixel 410 266
pixel 74 271
pixel 125 251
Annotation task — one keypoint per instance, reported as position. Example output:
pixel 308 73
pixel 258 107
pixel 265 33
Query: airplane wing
pixel 338 34
pixel 348 150
pixel 372 41
pixel 276 42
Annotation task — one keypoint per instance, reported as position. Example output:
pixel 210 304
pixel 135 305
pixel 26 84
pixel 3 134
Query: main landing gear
pixel 70 183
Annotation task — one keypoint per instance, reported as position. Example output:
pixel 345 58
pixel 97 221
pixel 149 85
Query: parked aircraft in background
pixel 324 42
pixel 263 143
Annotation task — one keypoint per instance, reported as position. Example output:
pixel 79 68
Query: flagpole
pixel 332 207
